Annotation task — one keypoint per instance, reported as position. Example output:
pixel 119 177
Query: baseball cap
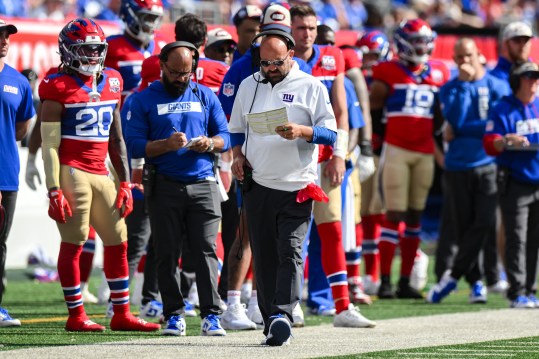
pixel 219 36
pixel 247 12
pixel 150 72
pixel 516 29
pixel 276 17
pixel 11 29
pixel 526 68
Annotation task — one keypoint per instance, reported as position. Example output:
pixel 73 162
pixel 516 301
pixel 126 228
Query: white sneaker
pixel 370 287
pixel 151 310
pixel 419 275
pixel 87 297
pixel 110 310
pixel 136 296
pixel 499 287
pixel 297 316
pixel 103 292
pixel 351 318
pixel 6 320
pixel 254 315
pixel 193 295
pixel 246 290
pixel 235 318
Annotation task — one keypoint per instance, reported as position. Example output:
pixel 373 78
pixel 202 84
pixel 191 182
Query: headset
pixel 163 56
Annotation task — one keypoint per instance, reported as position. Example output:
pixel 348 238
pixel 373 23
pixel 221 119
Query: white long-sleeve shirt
pixel 279 163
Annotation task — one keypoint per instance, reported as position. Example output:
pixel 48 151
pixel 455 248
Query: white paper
pixel 264 123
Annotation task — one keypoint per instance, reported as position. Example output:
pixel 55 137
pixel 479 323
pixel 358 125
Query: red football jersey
pixel 352 58
pixel 86 118
pixel 409 106
pixel 211 73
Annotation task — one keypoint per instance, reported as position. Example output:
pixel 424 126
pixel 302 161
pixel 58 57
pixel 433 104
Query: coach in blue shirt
pixel 513 136
pixel 16 109
pixel 470 174
pixel 184 203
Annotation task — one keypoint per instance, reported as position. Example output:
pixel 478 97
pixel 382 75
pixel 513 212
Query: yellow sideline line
pixel 58 319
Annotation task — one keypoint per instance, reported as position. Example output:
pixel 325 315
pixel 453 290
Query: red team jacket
pixel 409 106
pixel 85 123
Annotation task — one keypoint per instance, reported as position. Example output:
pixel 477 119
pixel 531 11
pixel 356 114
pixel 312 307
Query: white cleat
pixel 235 318
pixel 351 318
pixel 370 287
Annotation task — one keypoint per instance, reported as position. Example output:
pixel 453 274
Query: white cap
pixel 276 17
pixel 218 36
pixel 516 29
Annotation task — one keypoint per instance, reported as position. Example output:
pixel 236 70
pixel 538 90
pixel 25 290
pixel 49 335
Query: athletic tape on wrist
pixel 341 145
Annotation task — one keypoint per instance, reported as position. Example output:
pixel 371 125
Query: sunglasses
pixel 531 75
pixel 277 63
pixel 224 50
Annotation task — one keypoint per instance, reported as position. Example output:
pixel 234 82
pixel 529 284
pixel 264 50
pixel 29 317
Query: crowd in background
pixel 338 14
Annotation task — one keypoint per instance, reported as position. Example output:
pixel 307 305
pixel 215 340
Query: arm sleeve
pixel 323 136
pixel 51 133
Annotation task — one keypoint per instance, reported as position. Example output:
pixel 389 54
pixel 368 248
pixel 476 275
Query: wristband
pixel 212 145
pixel 341 145
pixel 366 148
pixel 225 166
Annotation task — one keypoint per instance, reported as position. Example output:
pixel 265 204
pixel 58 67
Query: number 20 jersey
pixel 410 103
pixel 85 123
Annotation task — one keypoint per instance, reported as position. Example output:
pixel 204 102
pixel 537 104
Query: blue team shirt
pixel 466 106
pixel 16 105
pixel 512 116
pixel 239 71
pixel 137 194
pixel 155 114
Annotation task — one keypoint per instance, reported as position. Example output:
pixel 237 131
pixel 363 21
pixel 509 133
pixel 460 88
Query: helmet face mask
pixel 142 18
pixel 83 47
pixel 414 41
pixel 374 43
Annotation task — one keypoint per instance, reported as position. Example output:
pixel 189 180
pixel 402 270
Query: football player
pixel 407 90
pixel 127 51
pixel 80 126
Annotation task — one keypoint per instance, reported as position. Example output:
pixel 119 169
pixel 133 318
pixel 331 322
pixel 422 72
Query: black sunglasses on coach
pixel 277 63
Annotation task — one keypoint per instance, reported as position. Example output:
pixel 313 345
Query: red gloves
pixel 125 198
pixel 58 206
pixel 312 191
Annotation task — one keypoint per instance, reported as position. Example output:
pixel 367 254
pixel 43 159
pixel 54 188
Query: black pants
pixel 520 211
pixel 138 235
pixel 193 212
pixel 277 228
pixel 472 202
pixel 229 228
pixel 9 200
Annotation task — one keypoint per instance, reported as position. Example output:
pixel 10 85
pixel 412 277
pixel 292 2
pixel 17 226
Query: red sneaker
pixel 130 323
pixel 78 324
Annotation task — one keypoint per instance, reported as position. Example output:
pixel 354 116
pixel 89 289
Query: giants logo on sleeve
pixel 329 63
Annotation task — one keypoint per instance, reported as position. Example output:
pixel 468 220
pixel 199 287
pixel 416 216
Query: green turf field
pixel 42 311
